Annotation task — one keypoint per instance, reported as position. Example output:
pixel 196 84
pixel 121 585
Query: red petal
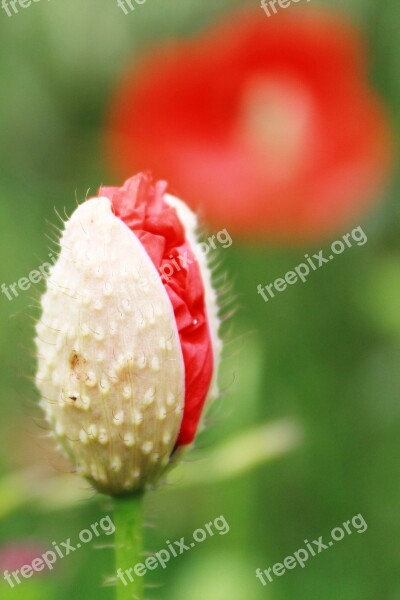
pixel 141 206
pixel 195 111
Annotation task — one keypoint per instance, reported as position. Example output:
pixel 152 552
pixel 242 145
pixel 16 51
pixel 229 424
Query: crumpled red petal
pixel 140 204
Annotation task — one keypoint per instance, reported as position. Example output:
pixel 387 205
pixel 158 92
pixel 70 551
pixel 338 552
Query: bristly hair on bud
pixel 128 341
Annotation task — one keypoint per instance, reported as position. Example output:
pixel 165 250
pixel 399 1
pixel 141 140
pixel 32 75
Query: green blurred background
pixel 323 358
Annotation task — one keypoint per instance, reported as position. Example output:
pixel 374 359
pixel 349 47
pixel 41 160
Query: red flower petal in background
pixel 267 124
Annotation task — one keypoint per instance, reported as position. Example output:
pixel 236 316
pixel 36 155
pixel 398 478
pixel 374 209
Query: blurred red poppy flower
pixel 266 124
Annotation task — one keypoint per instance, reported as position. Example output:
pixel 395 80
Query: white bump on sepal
pixel 119 411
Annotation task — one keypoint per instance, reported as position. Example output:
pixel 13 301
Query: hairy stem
pixel 128 519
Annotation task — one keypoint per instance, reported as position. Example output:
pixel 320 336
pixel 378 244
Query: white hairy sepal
pixel 111 371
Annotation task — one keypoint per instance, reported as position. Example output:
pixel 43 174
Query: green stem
pixel 128 520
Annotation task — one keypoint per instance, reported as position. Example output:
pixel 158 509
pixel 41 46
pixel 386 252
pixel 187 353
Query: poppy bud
pixel 128 340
